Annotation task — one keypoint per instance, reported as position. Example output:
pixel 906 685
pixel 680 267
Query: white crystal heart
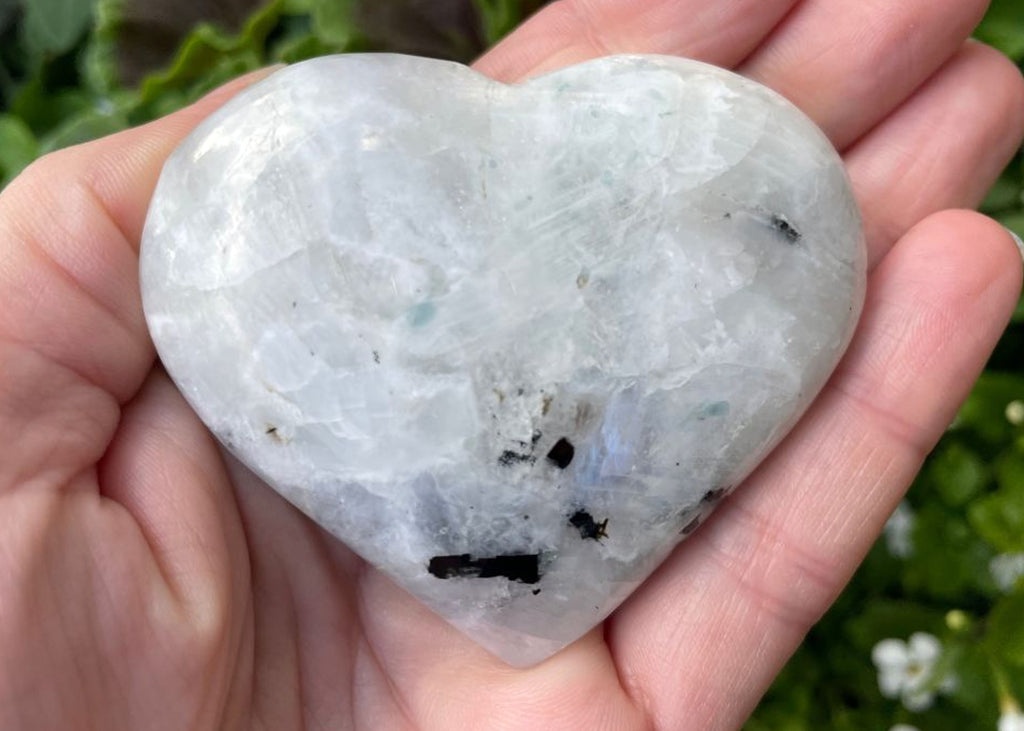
pixel 509 343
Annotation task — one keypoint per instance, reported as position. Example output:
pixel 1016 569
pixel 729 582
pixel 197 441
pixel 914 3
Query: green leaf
pixel 52 27
pixel 208 47
pixel 947 554
pixel 1014 221
pixel 1005 194
pixel 299 48
pixel 1010 473
pixel 18 147
pixel 332 22
pixel 1014 677
pixel 88 125
pixel 957 472
pixel 43 110
pixel 882 618
pixel 1003 27
pixel 498 18
pixel 984 413
pixel 999 517
pixel 999 520
pixel 220 71
pixel 295 40
pixel 99 60
pixel 8 8
pixel 974 691
pixel 1006 629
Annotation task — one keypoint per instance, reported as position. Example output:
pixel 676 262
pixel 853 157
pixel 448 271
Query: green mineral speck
pixel 715 408
pixel 421 314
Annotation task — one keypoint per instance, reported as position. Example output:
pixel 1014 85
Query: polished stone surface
pixel 509 343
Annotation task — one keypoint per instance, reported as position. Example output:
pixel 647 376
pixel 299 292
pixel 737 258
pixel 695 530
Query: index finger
pixel 73 341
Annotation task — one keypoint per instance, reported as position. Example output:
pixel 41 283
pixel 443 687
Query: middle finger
pixel 847 65
pixel 573 31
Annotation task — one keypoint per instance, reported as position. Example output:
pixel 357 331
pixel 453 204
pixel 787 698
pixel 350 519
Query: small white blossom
pixel 1011 720
pixel 1006 570
pixel 904 727
pixel 1015 412
pixel 906 670
pixel 899 531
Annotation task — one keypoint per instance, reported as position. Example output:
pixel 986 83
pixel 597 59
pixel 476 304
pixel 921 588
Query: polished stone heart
pixel 509 343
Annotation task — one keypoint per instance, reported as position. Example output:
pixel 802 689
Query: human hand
pixel 147 583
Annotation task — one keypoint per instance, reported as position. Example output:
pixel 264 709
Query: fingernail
pixel 1017 239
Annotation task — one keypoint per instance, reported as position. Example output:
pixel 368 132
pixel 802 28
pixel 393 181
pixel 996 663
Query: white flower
pixel 906 670
pixel 899 530
pixel 1011 720
pixel 904 727
pixel 1015 412
pixel 1006 570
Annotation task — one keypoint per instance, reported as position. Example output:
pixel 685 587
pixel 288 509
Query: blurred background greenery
pixel 951 561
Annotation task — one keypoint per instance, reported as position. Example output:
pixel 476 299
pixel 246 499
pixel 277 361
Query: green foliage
pixel 209 57
pixel 18 146
pixel 53 26
pixel 60 84
pixel 499 17
pixel 1006 630
pixel 958 474
pixel 998 517
pixel 1002 27
pixel 332 22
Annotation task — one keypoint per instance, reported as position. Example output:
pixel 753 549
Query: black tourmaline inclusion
pixel 523 567
pixel 562 453
pixel 509 458
pixel 584 522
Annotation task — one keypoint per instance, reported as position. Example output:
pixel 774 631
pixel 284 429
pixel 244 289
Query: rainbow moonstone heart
pixel 509 343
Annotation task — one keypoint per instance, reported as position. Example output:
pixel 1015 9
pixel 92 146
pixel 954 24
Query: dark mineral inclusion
pixel 584 522
pixel 524 567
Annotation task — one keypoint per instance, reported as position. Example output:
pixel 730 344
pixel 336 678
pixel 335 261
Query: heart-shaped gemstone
pixel 509 343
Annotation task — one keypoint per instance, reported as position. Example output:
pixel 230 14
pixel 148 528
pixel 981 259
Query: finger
pixel 848 64
pixel 297 593
pixel 73 341
pixel 571 31
pixel 434 669
pixel 165 469
pixel 85 619
pixel 968 117
pixel 702 640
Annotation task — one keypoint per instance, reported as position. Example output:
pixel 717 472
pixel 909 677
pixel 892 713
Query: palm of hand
pixel 147 583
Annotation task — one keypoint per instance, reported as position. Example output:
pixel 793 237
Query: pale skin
pixel 147 584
